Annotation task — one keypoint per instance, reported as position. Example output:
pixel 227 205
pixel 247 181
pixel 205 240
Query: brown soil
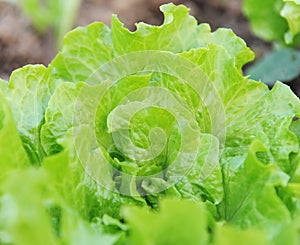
pixel 20 44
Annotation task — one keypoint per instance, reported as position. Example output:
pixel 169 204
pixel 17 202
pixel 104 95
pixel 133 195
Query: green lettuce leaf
pixel 290 12
pixel 177 222
pixel 84 50
pixel 235 46
pixel 176 34
pixel 205 177
pixel 274 20
pixel 227 235
pixel 77 200
pixel 20 192
pixel 186 221
pixel 59 116
pixel 259 11
pixel 12 153
pixel 173 35
pixel 28 93
pixel 37 200
pixel 249 198
pixel 270 126
pixel 290 193
pixel 290 233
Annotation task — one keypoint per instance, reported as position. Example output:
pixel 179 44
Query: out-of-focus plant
pixel 56 14
pixel 276 21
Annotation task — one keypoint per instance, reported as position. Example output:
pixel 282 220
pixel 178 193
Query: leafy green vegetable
pixel 259 11
pixel 28 93
pixel 290 12
pixel 12 154
pixel 238 196
pixel 156 228
pixel 229 235
pixel 274 20
pixel 277 21
pixel 148 137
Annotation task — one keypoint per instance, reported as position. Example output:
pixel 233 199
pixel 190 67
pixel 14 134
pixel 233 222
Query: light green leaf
pixel 247 104
pixel 259 120
pixel 61 123
pixel 205 177
pixel 177 222
pixel 249 201
pixel 291 12
pixel 84 50
pixel 235 47
pixel 12 153
pixel 266 21
pixel 219 66
pixel 87 48
pixel 57 134
pixel 241 183
pixel 29 91
pixel 59 116
pixel 77 193
pixel 293 1
pixel 111 99
pixel 295 127
pixel 290 193
pixel 289 234
pixel 58 200
pixel 22 211
pixel 227 235
pixel 177 33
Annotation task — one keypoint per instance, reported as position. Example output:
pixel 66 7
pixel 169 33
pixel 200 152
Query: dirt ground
pixel 20 44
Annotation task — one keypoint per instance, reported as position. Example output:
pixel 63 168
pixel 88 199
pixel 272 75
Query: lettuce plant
pixel 148 137
pixel 276 21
